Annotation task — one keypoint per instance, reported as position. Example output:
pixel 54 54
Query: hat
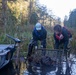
pixel 38 26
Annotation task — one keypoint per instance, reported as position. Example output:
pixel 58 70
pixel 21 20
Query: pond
pixel 11 68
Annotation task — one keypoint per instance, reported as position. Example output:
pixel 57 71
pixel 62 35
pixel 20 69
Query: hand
pixel 70 39
pixel 61 36
pixel 41 46
pixel 35 47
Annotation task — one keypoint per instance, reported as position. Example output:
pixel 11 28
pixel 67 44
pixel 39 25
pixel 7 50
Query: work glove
pixel 41 46
pixel 70 39
pixel 36 47
pixel 61 37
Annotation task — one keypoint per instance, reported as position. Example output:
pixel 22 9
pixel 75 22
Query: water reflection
pixel 11 69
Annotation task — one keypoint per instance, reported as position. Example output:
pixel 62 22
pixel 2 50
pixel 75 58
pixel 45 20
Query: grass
pixel 25 34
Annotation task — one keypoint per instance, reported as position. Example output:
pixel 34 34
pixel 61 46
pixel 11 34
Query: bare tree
pixel 4 14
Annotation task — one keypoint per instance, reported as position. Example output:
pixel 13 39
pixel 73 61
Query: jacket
pixel 66 34
pixel 41 35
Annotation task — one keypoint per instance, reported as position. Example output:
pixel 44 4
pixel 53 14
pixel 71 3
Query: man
pixel 61 36
pixel 39 34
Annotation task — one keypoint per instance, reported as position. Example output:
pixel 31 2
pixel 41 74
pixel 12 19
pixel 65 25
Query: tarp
pixel 2 49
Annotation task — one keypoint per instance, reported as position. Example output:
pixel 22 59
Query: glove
pixel 70 39
pixel 35 47
pixel 61 36
pixel 41 46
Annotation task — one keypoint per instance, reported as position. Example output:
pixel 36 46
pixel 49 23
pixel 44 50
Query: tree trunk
pixel 4 14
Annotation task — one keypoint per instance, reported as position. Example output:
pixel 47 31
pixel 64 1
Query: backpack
pixel 69 33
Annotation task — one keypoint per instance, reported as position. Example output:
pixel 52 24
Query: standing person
pixel 39 34
pixel 61 36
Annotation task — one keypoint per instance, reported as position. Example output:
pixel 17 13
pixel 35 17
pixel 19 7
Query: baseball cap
pixel 38 26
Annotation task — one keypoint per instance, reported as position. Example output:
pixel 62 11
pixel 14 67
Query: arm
pixel 65 34
pixel 43 41
pixel 44 34
pixel 56 42
pixel 34 36
pixel 35 39
pixel 57 37
pixel 69 32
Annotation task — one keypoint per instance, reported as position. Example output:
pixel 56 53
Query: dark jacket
pixel 66 34
pixel 39 35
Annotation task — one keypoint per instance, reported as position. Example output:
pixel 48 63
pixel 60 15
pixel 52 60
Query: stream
pixel 11 69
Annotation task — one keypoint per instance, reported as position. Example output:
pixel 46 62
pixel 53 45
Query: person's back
pixel 68 32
